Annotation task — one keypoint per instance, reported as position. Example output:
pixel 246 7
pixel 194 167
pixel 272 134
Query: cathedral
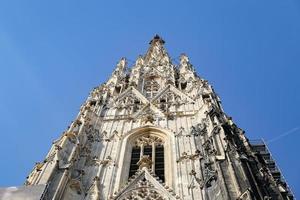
pixel 156 130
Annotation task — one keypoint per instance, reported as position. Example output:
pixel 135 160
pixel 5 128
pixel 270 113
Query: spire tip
pixel 157 38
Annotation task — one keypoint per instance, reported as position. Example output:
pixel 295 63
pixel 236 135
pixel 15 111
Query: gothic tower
pixel 156 130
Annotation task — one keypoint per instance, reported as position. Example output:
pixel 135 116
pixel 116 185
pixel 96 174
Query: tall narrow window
pixel 159 162
pixel 135 157
pixel 148 151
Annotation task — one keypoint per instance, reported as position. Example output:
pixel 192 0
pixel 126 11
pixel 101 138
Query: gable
pixel 133 93
pixel 145 185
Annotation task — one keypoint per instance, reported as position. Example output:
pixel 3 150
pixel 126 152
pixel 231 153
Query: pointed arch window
pixel 150 146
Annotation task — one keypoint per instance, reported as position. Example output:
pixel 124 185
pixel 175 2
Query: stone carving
pixel 180 133
pixel 145 162
pixel 85 151
pixel 148 116
pixel 194 178
pixel 108 138
pixel 199 129
pixel 208 147
pixel 216 129
pixel 94 161
pixel 197 155
pixel 116 134
pixel 145 190
pixel 206 121
pixel 148 140
pixel 130 102
pixel 209 176
pixel 144 185
pixel 209 173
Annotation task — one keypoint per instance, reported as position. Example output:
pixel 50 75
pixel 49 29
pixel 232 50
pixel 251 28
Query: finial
pixel 157 38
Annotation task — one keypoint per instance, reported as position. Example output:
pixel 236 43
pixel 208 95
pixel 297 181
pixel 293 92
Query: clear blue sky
pixel 52 53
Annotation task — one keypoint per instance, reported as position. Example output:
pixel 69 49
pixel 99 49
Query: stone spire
pixel 186 73
pixel 156 131
pixel 157 63
pixel 118 73
pixel 157 54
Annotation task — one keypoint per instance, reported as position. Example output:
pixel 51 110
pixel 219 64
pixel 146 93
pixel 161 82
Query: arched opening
pixel 147 141
pixel 152 147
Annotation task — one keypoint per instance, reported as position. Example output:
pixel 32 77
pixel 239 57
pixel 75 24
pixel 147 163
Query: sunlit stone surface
pixel 156 130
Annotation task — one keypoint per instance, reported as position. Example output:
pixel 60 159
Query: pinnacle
pixel 156 51
pixel 157 38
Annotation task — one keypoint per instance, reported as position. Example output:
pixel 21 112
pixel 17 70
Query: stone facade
pixel 155 131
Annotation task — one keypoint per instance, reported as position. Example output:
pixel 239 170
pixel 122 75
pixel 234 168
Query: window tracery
pixel 148 146
pixel 151 88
